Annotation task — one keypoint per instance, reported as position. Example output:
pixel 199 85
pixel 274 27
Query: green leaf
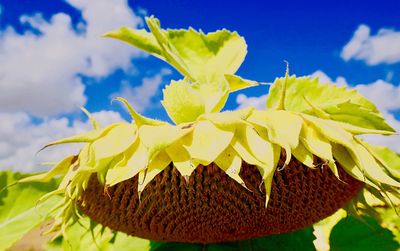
pixel 386 157
pixel 183 102
pixel 353 235
pixel 141 39
pixel 341 104
pixel 323 229
pixel 168 246
pixel 19 211
pixel 94 237
pixel 299 240
pixel 357 115
pixel 208 62
pixel 202 57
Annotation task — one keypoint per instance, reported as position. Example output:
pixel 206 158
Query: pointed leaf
pixel 283 128
pixel 208 141
pixel 386 157
pixel 228 119
pixel 141 39
pixel 134 161
pixel 345 105
pixel 157 165
pixel 61 168
pixel 115 141
pixel 181 158
pixel 208 57
pixel 139 119
pixel 237 83
pixel 230 162
pixel 318 145
pixel 158 138
pixel 302 154
pixel 83 138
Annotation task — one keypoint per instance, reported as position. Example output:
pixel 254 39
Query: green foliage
pixel 341 104
pixel 89 236
pixel 353 235
pixel 208 65
pixel 19 211
pixel 299 240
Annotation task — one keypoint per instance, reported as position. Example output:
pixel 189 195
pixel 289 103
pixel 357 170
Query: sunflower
pixel 217 176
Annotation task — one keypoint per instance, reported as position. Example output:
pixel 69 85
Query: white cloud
pixel 386 96
pixel 21 139
pixel 384 47
pixel 244 101
pixel 140 97
pixel 323 78
pixel 39 70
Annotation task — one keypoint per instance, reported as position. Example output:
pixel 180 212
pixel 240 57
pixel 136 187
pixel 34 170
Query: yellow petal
pixel 139 119
pixel 134 161
pixel 318 145
pixel 303 155
pixel 83 138
pixel 61 168
pixel 331 130
pixel 207 142
pixel 158 138
pixel 283 128
pixel 228 119
pixel 230 162
pixel 268 185
pixel 158 164
pixel 243 147
pixel 95 124
pixel 115 141
pixel 181 158
pixel 371 168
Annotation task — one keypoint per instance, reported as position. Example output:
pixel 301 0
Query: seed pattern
pixel 212 207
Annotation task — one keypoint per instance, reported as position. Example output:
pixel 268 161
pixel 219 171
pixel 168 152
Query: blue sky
pixel 53 59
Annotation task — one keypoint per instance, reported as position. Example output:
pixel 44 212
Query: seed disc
pixel 212 207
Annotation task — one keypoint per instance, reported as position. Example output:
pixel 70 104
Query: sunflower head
pixel 220 176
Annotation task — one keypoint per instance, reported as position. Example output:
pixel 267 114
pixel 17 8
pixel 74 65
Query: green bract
pixel 208 65
pixel 304 119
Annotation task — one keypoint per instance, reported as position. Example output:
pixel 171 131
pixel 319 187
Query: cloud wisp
pixel 41 67
pixel 383 47
pixel 21 139
pixel 140 97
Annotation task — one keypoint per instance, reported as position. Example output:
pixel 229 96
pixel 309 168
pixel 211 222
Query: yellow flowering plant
pixel 217 176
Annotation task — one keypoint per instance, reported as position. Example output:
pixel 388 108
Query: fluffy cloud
pixel 384 95
pixel 244 101
pixel 41 67
pixel 140 97
pixel 21 139
pixel 323 78
pixel 384 47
